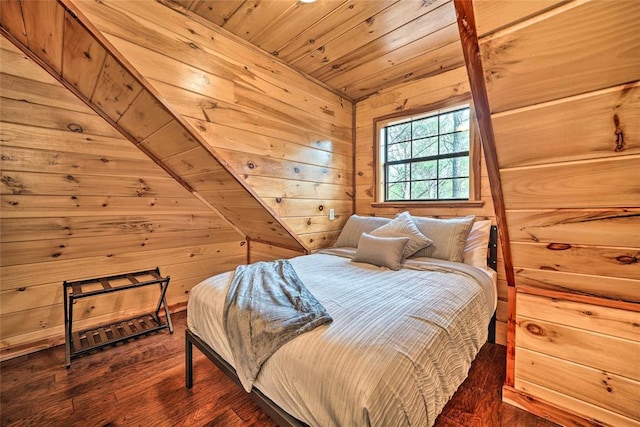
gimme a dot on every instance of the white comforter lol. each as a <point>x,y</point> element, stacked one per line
<point>400,344</point>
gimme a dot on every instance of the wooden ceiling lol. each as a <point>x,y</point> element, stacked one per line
<point>356,47</point>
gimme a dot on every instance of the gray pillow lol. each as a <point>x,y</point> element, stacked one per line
<point>381,251</point>
<point>355,226</point>
<point>448,235</point>
<point>403,226</point>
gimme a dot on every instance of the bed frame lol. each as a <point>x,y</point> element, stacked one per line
<point>277,414</point>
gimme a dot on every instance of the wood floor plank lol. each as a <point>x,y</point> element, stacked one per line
<point>141,382</point>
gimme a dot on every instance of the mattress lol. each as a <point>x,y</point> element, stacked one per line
<point>400,344</point>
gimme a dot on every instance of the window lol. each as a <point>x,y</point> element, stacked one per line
<point>426,156</point>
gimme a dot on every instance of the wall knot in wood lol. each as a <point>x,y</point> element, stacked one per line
<point>619,134</point>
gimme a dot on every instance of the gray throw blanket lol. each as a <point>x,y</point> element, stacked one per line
<point>267,305</point>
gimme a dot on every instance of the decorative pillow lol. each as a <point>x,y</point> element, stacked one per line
<point>475,250</point>
<point>403,226</point>
<point>381,251</point>
<point>449,236</point>
<point>355,226</point>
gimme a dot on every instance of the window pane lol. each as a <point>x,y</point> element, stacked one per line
<point>425,147</point>
<point>454,167</point>
<point>461,120</point>
<point>398,133</point>
<point>424,170</point>
<point>446,123</point>
<point>421,151</point>
<point>398,173</point>
<point>425,127</point>
<point>400,151</point>
<point>424,190</point>
<point>453,188</point>
<point>398,191</point>
<point>454,142</point>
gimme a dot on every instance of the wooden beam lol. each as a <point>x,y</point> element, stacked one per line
<point>471,49</point>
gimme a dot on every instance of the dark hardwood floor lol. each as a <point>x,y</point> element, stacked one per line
<point>141,383</point>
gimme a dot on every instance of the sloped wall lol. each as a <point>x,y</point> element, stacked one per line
<point>563,81</point>
<point>423,92</point>
<point>287,136</point>
<point>80,201</point>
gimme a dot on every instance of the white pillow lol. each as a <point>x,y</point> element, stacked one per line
<point>381,251</point>
<point>449,236</point>
<point>475,250</point>
<point>403,226</point>
<point>355,226</point>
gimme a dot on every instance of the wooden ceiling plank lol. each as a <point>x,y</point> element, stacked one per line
<point>83,58</point>
<point>423,26</point>
<point>331,26</point>
<point>218,11</point>
<point>11,19</point>
<point>255,15</point>
<point>373,28</point>
<point>352,72</point>
<point>215,68</point>
<point>44,21</point>
<point>292,23</point>
<point>438,61</point>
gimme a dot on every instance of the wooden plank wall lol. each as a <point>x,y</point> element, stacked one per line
<point>288,137</point>
<point>563,80</point>
<point>410,96</point>
<point>78,201</point>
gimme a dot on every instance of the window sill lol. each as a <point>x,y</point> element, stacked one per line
<point>434,204</point>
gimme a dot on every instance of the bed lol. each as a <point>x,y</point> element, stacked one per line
<point>400,343</point>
